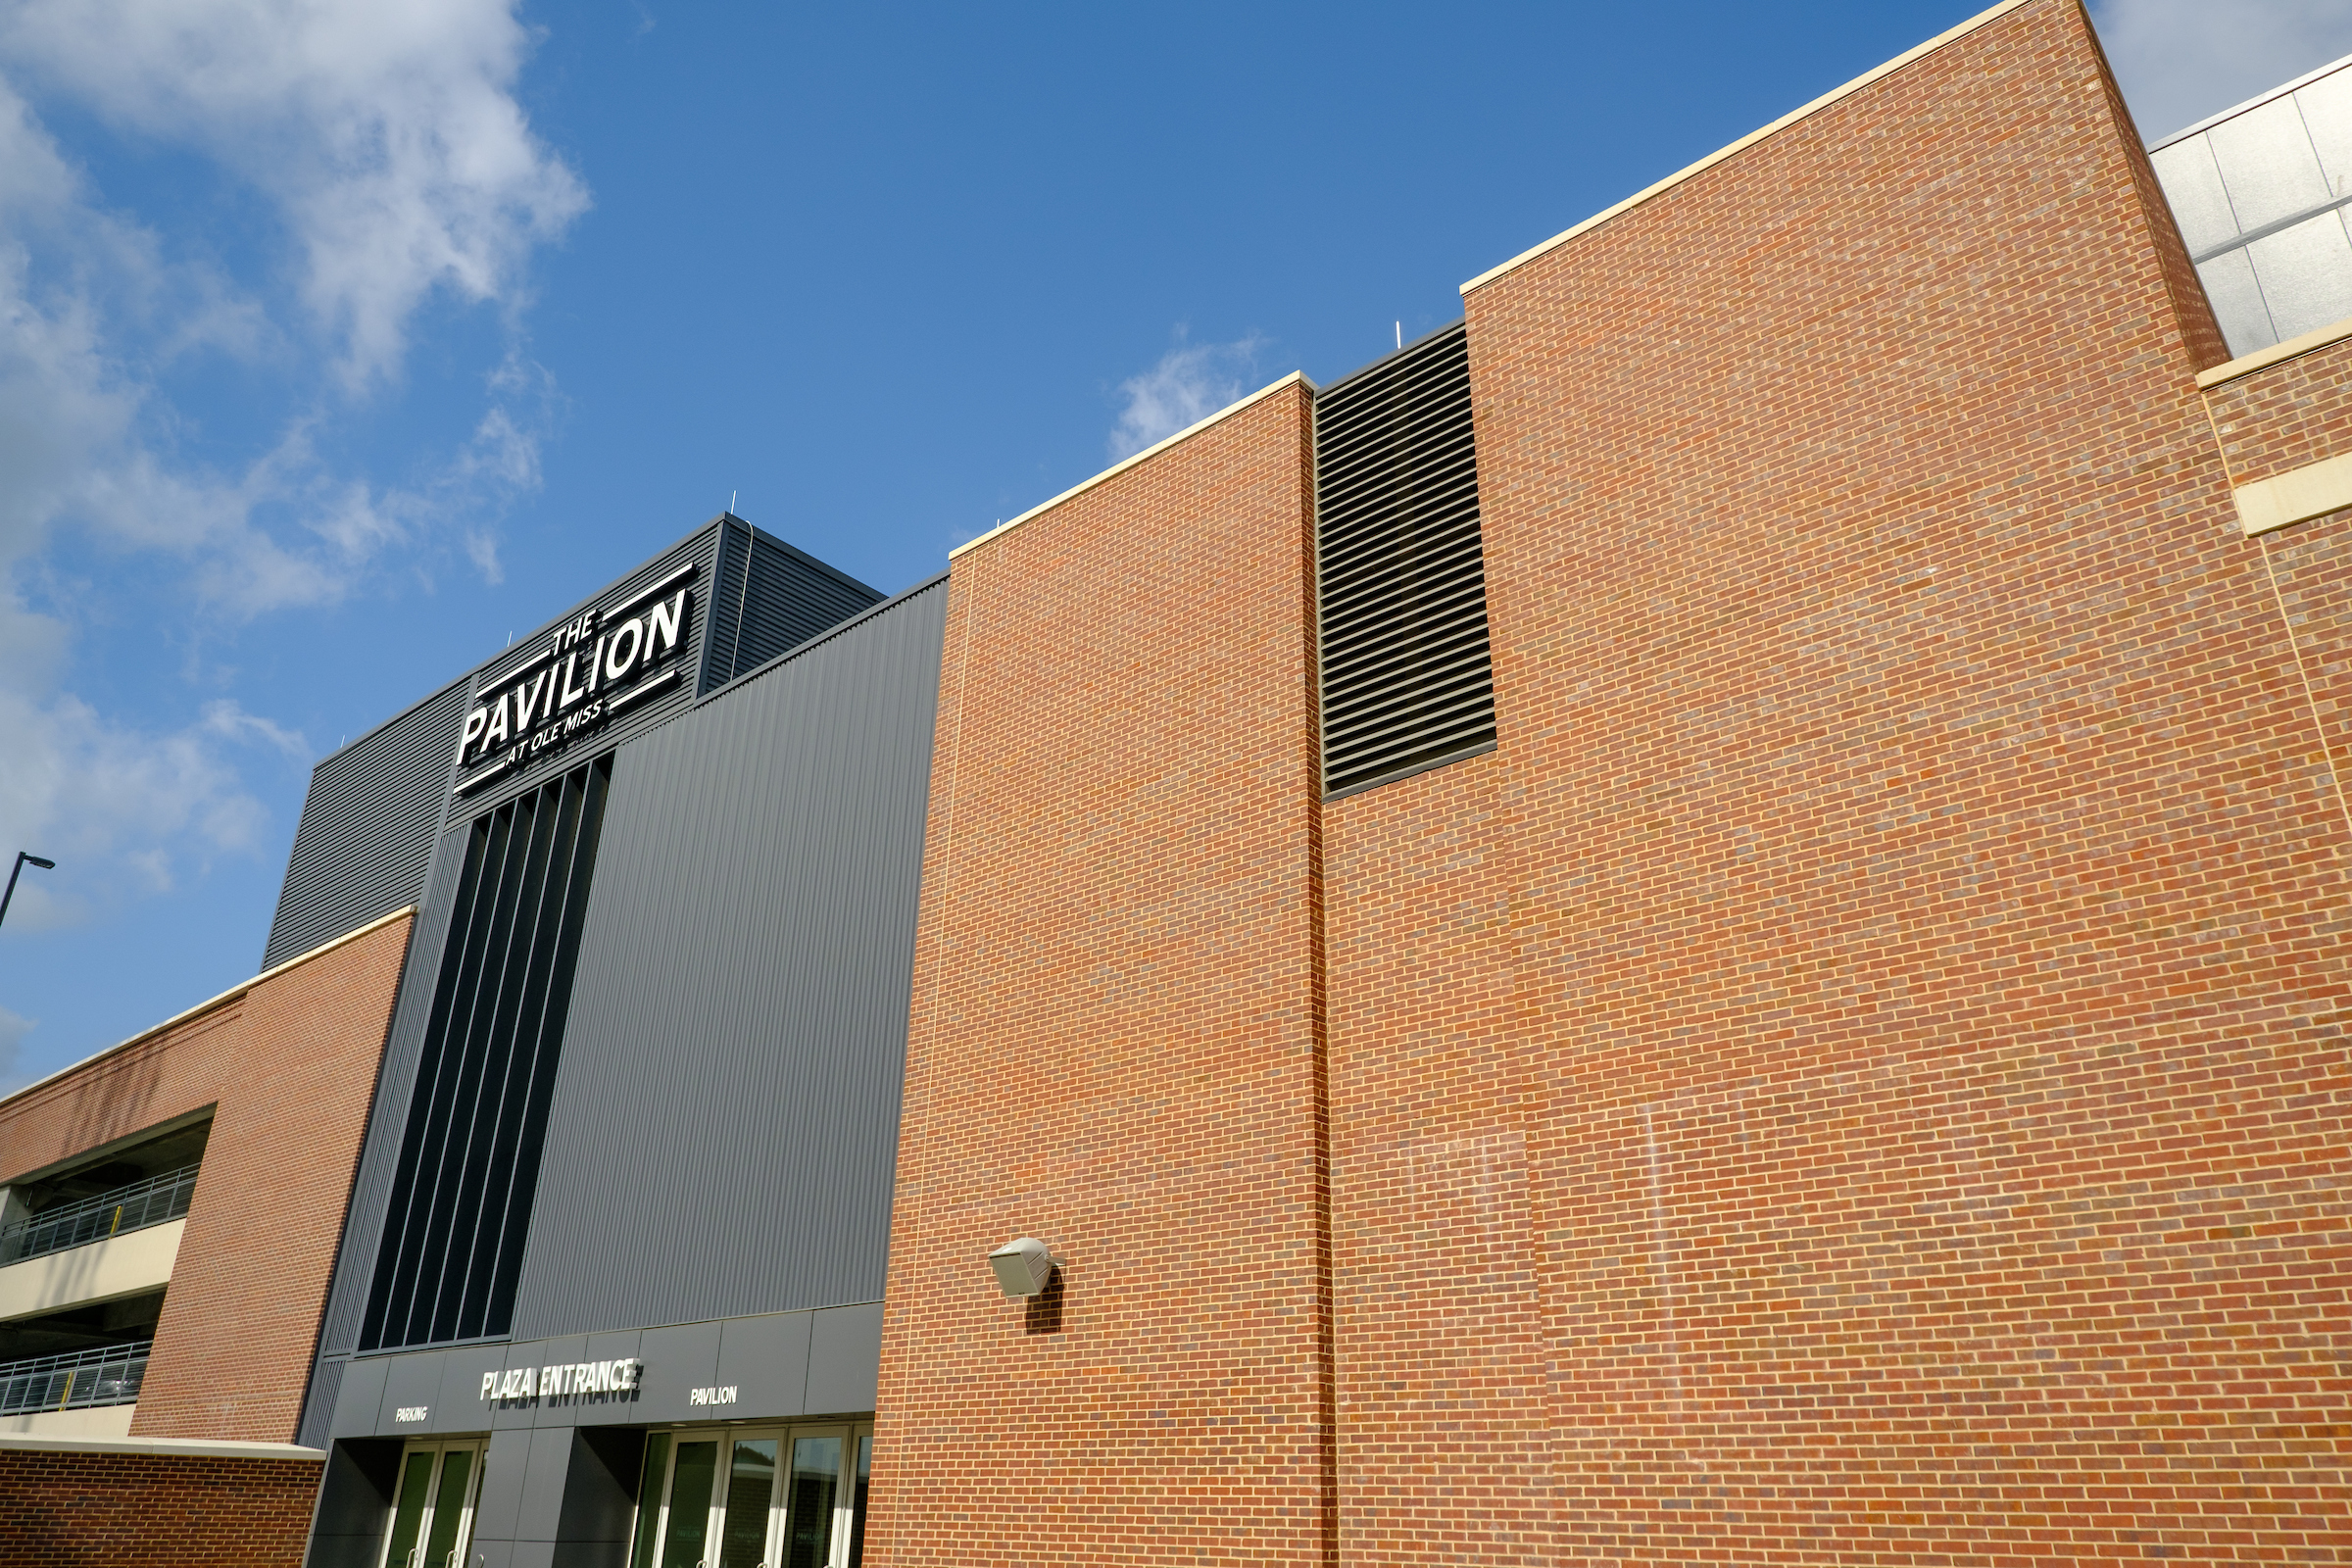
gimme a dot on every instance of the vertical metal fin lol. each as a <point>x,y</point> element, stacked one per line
<point>469,1157</point>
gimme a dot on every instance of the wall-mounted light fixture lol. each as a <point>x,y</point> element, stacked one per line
<point>1023,1268</point>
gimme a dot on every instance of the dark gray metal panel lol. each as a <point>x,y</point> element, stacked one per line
<point>376,805</point>
<point>379,1153</point>
<point>601,1410</point>
<point>789,598</point>
<point>599,1493</point>
<point>357,1400</point>
<point>725,1128</point>
<point>845,1359</point>
<point>535,1354</point>
<point>367,826</point>
<point>461,1406</point>
<point>543,1491</point>
<point>679,1359</point>
<point>766,1360</point>
<point>318,1403</point>
<point>354,1504</point>
<point>411,1381</point>
<point>506,1487</point>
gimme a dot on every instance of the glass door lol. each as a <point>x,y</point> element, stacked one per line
<point>432,1507</point>
<point>745,1497</point>
<point>813,1499</point>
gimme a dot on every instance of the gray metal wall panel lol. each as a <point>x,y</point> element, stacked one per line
<point>790,597</point>
<point>375,805</point>
<point>379,1153</point>
<point>725,1128</point>
<point>366,832</point>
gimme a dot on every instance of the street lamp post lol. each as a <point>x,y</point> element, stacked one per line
<point>15,870</point>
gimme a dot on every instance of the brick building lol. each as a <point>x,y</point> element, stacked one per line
<point>1700,919</point>
<point>167,1236</point>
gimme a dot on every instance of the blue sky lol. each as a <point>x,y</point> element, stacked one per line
<point>340,341</point>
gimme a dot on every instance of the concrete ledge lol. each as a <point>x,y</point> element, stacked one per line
<point>2276,353</point>
<point>100,1421</point>
<point>103,1270</point>
<point>164,1448</point>
<point>2295,496</point>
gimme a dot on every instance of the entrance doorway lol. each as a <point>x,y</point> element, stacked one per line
<point>754,1497</point>
<point>433,1511</point>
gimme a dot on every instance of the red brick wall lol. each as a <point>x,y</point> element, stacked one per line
<point>291,1068</point>
<point>1113,1043</point>
<point>1859,1073</point>
<point>2285,416</point>
<point>120,1510</point>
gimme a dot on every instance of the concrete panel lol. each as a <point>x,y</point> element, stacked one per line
<point>2192,186</point>
<point>2306,274</point>
<point>411,1383</point>
<point>845,1359</point>
<point>120,1265</point>
<point>2327,106</point>
<point>677,1361</point>
<point>101,1421</point>
<point>359,1402</point>
<point>2238,308</point>
<point>2268,162</point>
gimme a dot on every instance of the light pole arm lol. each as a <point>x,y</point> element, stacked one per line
<point>15,872</point>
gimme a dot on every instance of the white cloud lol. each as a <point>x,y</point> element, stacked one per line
<point>2182,61</point>
<point>128,809</point>
<point>1191,382</point>
<point>388,133</point>
<point>388,141</point>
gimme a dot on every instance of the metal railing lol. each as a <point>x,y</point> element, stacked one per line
<point>109,1375</point>
<point>157,1201</point>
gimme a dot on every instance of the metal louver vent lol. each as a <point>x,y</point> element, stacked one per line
<point>1401,580</point>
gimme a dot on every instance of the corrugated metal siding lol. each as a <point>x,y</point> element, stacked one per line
<point>319,1403</point>
<point>374,807</point>
<point>395,1084</point>
<point>1407,679</point>
<point>367,826</point>
<point>792,596</point>
<point>725,1121</point>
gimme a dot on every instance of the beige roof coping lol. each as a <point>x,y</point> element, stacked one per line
<point>210,1002</point>
<point>1748,140</point>
<point>1121,466</point>
<point>187,1448</point>
<point>2276,353</point>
